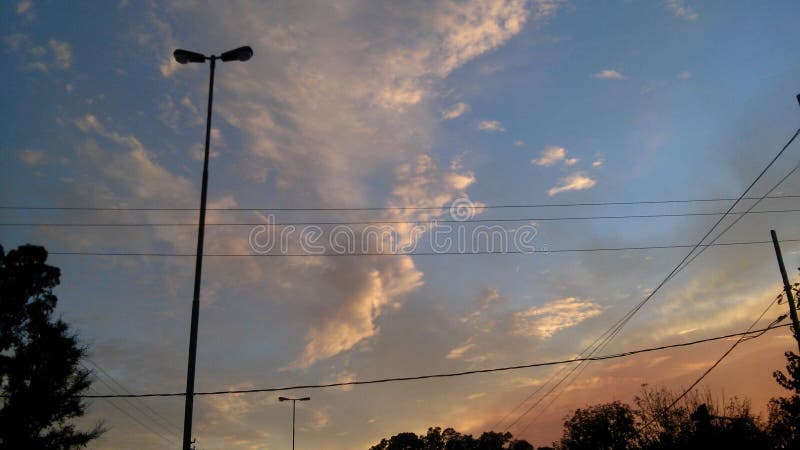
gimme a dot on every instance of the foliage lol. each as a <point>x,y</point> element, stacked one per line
<point>696,421</point>
<point>40,373</point>
<point>450,439</point>
<point>607,426</point>
<point>784,412</point>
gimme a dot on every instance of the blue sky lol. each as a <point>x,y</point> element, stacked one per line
<point>417,105</point>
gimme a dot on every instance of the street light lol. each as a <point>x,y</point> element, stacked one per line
<point>185,57</point>
<point>294,403</point>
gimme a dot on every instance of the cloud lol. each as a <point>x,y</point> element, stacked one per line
<point>597,163</point>
<point>682,10</point>
<point>134,168</point>
<point>550,156</point>
<point>31,157</point>
<point>35,56</point>
<point>571,161</point>
<point>553,316</point>
<point>454,111</point>
<point>490,125</point>
<point>573,182</point>
<point>684,75</point>
<point>458,352</point>
<point>25,9</point>
<point>320,128</point>
<point>608,74</point>
<point>62,52</point>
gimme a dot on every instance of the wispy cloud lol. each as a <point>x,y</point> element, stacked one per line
<point>609,74</point>
<point>550,156</point>
<point>684,75</point>
<point>574,182</point>
<point>682,10</point>
<point>544,321</point>
<point>454,111</point>
<point>490,125</point>
<point>31,157</point>
<point>25,9</point>
<point>62,52</point>
<point>458,352</point>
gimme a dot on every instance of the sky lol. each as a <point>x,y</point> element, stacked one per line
<point>424,112</point>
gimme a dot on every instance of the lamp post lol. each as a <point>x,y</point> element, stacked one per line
<point>185,57</point>
<point>294,403</point>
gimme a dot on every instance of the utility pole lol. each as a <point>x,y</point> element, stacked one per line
<point>787,287</point>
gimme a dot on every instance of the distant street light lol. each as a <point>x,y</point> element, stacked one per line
<point>184,57</point>
<point>294,402</point>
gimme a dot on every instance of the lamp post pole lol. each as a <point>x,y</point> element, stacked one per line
<point>294,409</point>
<point>184,57</point>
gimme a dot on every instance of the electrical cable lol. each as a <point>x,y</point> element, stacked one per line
<point>385,208</point>
<point>443,375</point>
<point>427,253</point>
<point>380,222</point>
<point>615,329</point>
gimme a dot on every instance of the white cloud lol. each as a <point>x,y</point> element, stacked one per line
<point>62,52</point>
<point>35,56</point>
<point>609,74</point>
<point>319,127</point>
<point>458,352</point>
<point>546,320</point>
<point>454,111</point>
<point>573,182</point>
<point>682,10</point>
<point>134,168</point>
<point>597,163</point>
<point>571,161</point>
<point>168,67</point>
<point>550,156</point>
<point>684,75</point>
<point>490,125</point>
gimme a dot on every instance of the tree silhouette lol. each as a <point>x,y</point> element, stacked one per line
<point>784,412</point>
<point>607,426</point>
<point>450,439</point>
<point>40,373</point>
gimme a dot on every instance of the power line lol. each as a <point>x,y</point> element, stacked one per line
<point>735,221</point>
<point>581,368</point>
<point>427,253</point>
<point>612,332</point>
<point>716,363</point>
<point>384,222</point>
<point>132,417</point>
<point>152,412</point>
<point>385,208</point>
<point>449,374</point>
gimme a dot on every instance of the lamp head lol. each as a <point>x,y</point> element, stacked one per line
<point>185,56</point>
<point>237,54</point>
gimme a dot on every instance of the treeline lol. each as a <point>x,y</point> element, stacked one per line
<point>658,419</point>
